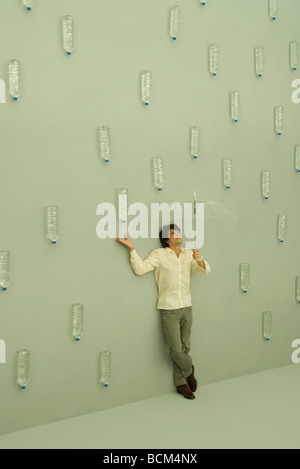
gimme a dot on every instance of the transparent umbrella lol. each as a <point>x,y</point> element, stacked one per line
<point>213,210</point>
<point>192,213</point>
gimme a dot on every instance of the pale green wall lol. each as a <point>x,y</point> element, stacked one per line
<point>49,156</point>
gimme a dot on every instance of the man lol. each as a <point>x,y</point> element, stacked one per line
<point>171,265</point>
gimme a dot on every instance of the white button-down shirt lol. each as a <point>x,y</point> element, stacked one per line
<point>172,274</point>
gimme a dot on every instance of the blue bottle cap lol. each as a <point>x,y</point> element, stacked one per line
<point>106,161</point>
<point>174,38</point>
<point>214,74</point>
<point>294,68</point>
<point>267,339</point>
<point>28,8</point>
<point>146,104</point>
<point>274,18</point>
<point>53,242</point>
<point>260,75</point>
<point>4,289</point>
<point>245,291</point>
<point>69,53</point>
<point>22,387</point>
<point>16,99</point>
<point>266,198</point>
<point>77,339</point>
<point>160,189</point>
<point>235,120</point>
<point>281,240</point>
<point>195,156</point>
<point>298,170</point>
<point>279,133</point>
<point>106,385</point>
<point>227,187</point>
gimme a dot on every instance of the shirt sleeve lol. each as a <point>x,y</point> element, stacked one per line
<point>197,268</point>
<point>141,267</point>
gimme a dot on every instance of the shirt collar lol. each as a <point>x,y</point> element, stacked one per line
<point>169,250</point>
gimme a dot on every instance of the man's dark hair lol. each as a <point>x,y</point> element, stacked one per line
<point>165,232</point>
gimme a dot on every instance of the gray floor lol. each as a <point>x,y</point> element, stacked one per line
<point>261,410</point>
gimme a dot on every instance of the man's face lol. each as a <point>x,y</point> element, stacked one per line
<point>175,236</point>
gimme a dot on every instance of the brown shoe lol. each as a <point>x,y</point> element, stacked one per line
<point>185,391</point>
<point>192,381</point>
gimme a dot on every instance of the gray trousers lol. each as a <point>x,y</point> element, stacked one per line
<point>177,325</point>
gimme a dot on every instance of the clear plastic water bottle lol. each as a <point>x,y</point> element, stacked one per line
<point>273,9</point>
<point>297,158</point>
<point>294,53</point>
<point>68,33</point>
<point>77,320</point>
<point>281,227</point>
<point>105,367</point>
<point>52,223</point>
<point>244,276</point>
<point>122,201</point>
<point>175,18</point>
<point>298,288</point>
<point>29,4</point>
<point>122,204</point>
<point>23,368</point>
<point>235,105</point>
<point>278,120</point>
<point>158,173</point>
<point>4,269</point>
<point>104,142</point>
<point>195,141</point>
<point>227,172</point>
<point>259,60</point>
<point>213,58</point>
<point>14,78</point>
<point>267,324</point>
<point>146,85</point>
<point>265,183</point>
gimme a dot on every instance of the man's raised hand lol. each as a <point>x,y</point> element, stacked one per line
<point>127,242</point>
